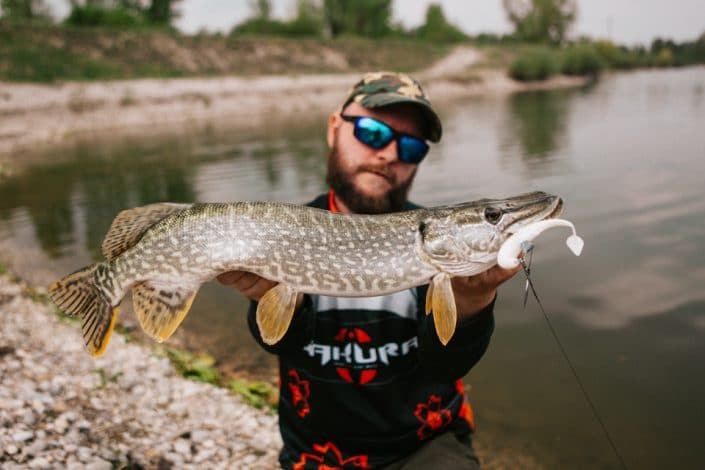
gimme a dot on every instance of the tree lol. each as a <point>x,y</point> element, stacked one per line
<point>24,10</point>
<point>308,20</point>
<point>363,17</point>
<point>437,28</point>
<point>261,9</point>
<point>546,21</point>
<point>162,12</point>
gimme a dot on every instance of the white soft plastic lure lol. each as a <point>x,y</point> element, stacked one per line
<point>508,254</point>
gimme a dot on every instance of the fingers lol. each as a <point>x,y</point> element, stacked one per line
<point>487,280</point>
<point>250,285</point>
<point>498,275</point>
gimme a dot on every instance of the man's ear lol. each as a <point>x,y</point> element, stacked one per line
<point>334,122</point>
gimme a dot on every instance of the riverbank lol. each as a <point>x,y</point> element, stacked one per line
<point>60,408</point>
<point>33,115</point>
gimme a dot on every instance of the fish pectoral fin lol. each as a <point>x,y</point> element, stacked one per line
<point>429,299</point>
<point>445,314</point>
<point>275,311</point>
<point>161,309</point>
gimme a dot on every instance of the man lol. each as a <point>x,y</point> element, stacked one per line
<point>365,382</point>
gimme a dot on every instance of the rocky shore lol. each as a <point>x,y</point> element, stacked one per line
<point>60,408</point>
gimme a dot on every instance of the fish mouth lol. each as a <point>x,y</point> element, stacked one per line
<point>536,207</point>
<point>558,210</point>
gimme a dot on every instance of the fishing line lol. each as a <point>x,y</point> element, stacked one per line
<point>528,248</point>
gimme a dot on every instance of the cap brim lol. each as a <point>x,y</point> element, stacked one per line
<point>434,130</point>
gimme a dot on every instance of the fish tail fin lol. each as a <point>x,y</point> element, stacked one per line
<point>160,308</point>
<point>78,294</point>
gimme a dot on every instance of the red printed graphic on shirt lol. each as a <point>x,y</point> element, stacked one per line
<point>328,457</point>
<point>466,412</point>
<point>355,337</point>
<point>300,392</point>
<point>432,416</point>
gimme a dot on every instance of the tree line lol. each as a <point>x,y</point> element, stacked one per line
<point>121,13</point>
<point>541,22</point>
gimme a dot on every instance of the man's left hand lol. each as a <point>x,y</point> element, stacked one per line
<point>474,293</point>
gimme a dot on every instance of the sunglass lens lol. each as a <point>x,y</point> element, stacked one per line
<point>373,133</point>
<point>411,149</point>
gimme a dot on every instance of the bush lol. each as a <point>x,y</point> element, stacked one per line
<point>534,64</point>
<point>664,58</point>
<point>581,60</point>
<point>91,15</point>
<point>299,27</point>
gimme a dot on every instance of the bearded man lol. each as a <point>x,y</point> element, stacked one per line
<point>365,382</point>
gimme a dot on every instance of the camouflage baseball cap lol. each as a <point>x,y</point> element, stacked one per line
<point>379,89</point>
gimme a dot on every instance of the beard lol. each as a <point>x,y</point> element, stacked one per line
<point>341,181</point>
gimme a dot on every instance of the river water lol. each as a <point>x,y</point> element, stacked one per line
<point>627,155</point>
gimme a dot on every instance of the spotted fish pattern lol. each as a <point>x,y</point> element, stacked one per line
<point>164,252</point>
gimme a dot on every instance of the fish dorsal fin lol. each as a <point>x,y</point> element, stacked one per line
<point>161,309</point>
<point>129,226</point>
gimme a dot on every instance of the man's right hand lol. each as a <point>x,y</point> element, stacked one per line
<point>250,285</point>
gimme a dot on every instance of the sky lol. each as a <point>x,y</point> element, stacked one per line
<point>629,22</point>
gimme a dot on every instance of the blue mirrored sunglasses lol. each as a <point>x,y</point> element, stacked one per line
<point>378,135</point>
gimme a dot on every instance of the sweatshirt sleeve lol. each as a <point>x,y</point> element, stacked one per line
<point>462,352</point>
<point>299,334</point>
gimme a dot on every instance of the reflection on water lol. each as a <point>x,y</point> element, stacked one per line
<point>55,193</point>
<point>536,123</point>
<point>627,157</point>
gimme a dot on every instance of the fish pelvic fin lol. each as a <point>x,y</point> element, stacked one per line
<point>130,225</point>
<point>78,294</point>
<point>445,315</point>
<point>161,309</point>
<point>429,299</point>
<point>275,311</point>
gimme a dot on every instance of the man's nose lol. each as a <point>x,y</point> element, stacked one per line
<point>388,153</point>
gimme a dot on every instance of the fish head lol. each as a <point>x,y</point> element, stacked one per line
<point>464,239</point>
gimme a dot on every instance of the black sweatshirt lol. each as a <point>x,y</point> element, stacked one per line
<point>365,381</point>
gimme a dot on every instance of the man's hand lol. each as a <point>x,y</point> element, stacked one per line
<point>474,293</point>
<point>251,285</point>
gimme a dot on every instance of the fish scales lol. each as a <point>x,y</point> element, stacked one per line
<point>317,251</point>
<point>164,252</point>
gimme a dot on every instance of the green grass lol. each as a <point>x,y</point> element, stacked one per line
<point>198,367</point>
<point>201,368</point>
<point>105,378</point>
<point>46,53</point>
<point>27,62</point>
<point>257,394</point>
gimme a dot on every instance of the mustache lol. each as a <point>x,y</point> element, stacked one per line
<point>382,170</point>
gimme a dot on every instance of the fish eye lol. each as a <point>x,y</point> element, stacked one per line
<point>493,214</point>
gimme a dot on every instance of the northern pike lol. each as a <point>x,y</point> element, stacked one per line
<point>164,252</point>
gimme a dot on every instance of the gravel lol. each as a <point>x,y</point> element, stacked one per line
<point>61,408</point>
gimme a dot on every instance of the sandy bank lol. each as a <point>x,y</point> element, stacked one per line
<point>32,115</point>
